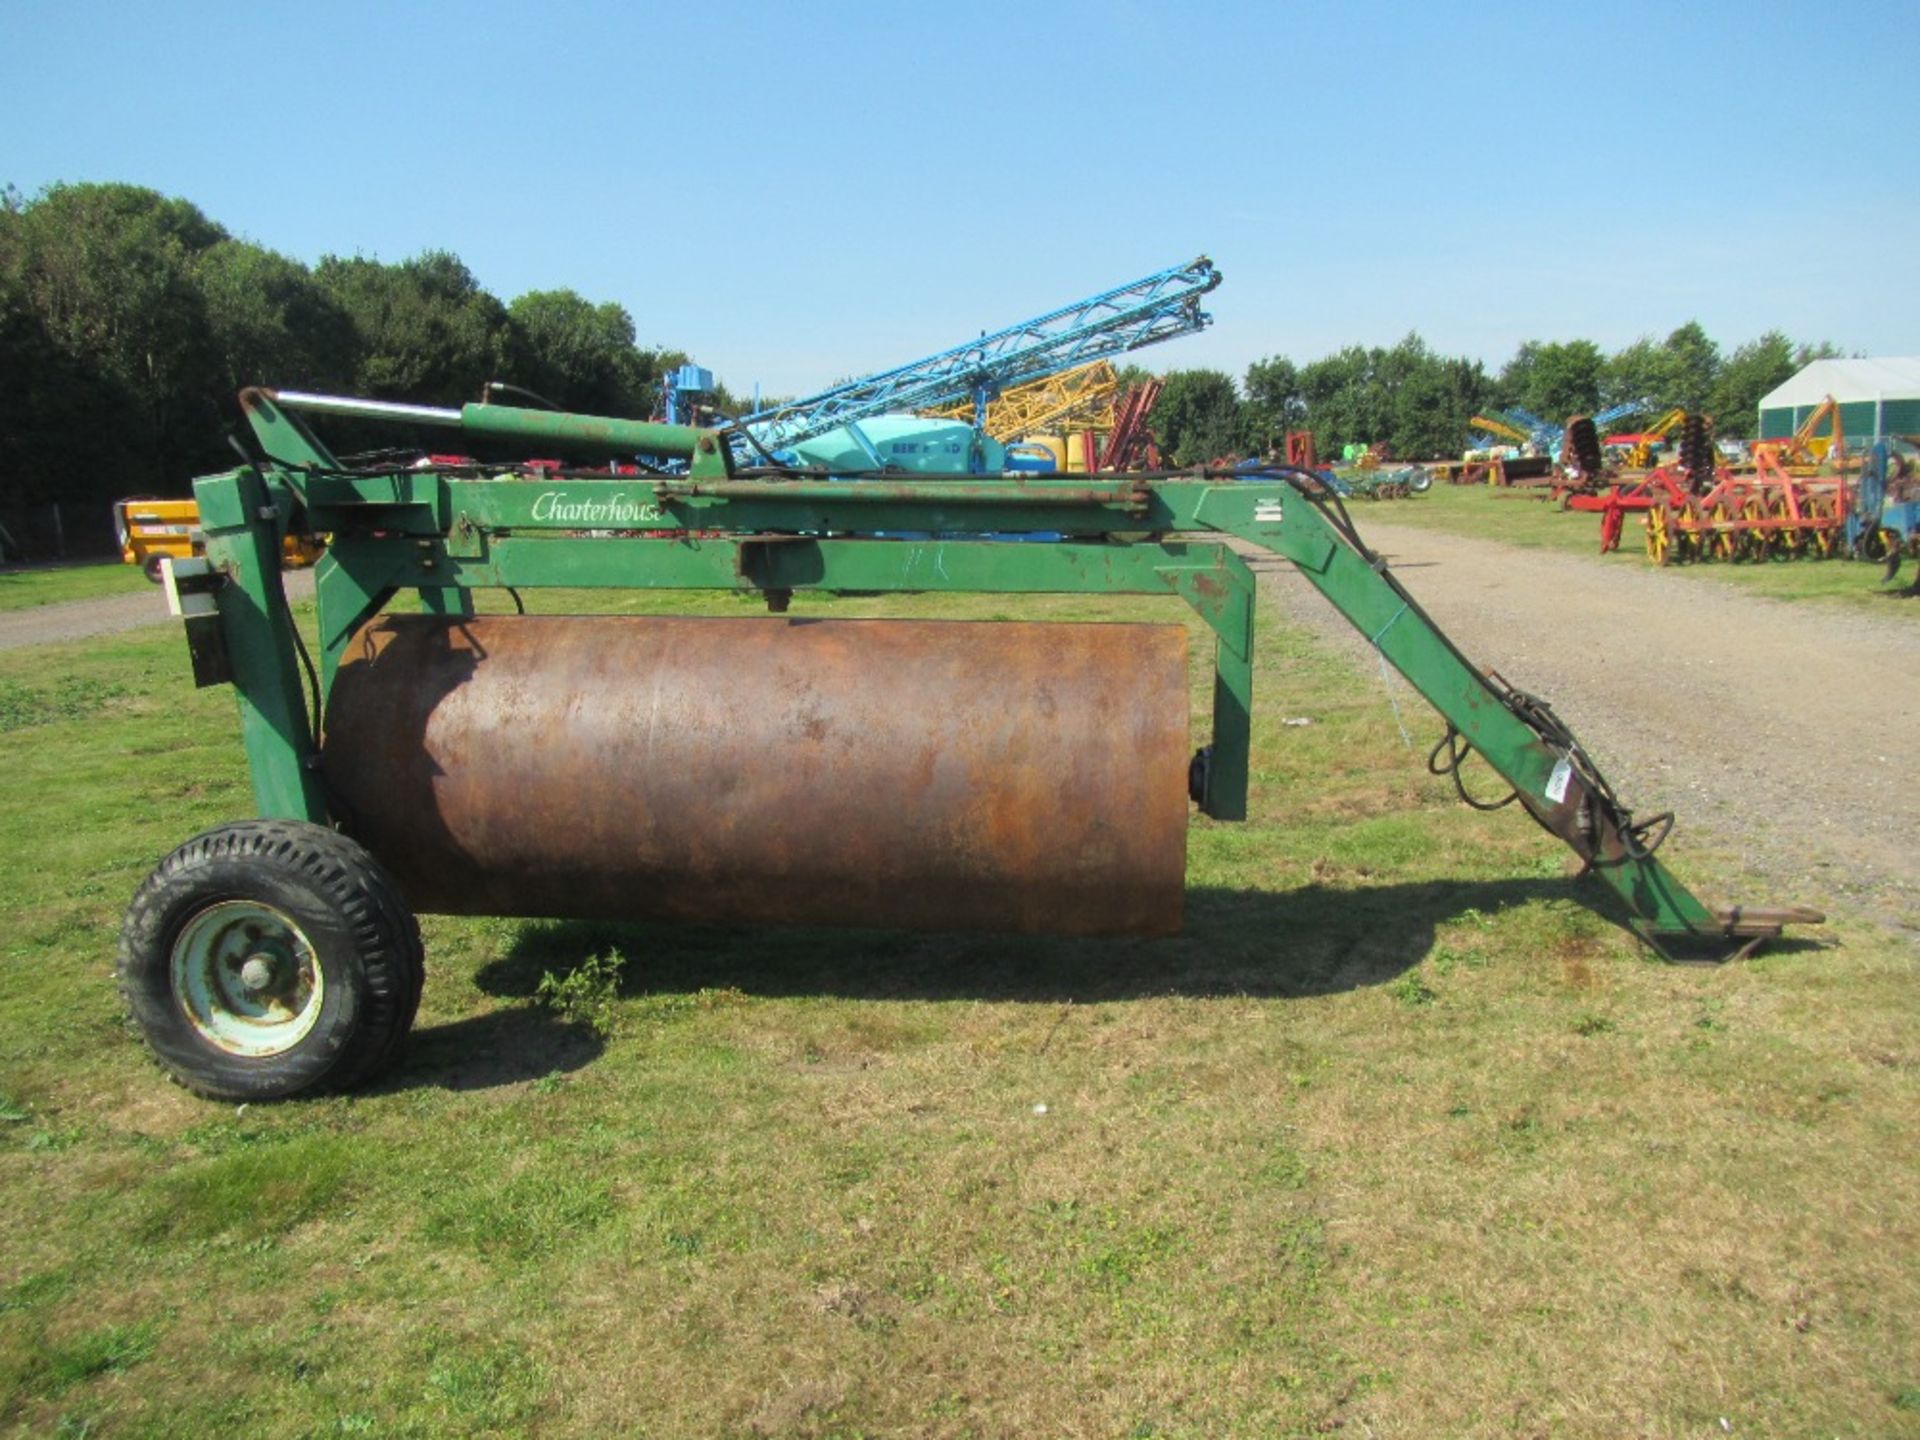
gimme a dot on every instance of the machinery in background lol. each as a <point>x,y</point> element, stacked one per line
<point>1114,438</point>
<point>838,429</point>
<point>1567,458</point>
<point>1379,483</point>
<point>1777,512</point>
<point>1884,523</point>
<point>1582,463</point>
<point>1695,508</point>
<point>1766,515</point>
<point>1514,447</point>
<point>1580,456</point>
<point>1518,427</point>
<point>1050,403</point>
<point>1620,411</point>
<point>1130,443</point>
<point>1498,432</point>
<point>1363,473</point>
<point>150,531</point>
<point>681,392</point>
<point>1806,451</point>
<point>1636,450</point>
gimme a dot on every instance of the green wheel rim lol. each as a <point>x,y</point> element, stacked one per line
<point>247,979</point>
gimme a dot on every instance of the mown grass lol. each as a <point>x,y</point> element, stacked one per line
<point>1514,516</point>
<point>1400,1137</point>
<point>22,589</point>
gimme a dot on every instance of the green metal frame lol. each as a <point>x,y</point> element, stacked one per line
<point>443,533</point>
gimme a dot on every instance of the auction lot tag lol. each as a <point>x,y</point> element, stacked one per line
<point>1558,781</point>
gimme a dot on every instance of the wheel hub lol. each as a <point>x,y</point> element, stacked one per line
<point>246,978</point>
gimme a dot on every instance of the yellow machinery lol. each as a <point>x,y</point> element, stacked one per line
<point>1640,455</point>
<point>150,530</point>
<point>1803,452</point>
<point>1051,403</point>
<point>1501,428</point>
<point>1076,449</point>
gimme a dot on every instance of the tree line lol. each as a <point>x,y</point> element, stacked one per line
<point>129,320</point>
<point>1420,404</point>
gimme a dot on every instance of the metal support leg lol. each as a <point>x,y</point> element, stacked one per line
<point>243,543</point>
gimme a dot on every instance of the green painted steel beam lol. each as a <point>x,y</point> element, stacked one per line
<point>351,584</point>
<point>244,526</point>
<point>807,562</point>
<point>704,450</point>
<point>288,441</point>
<point>283,437</point>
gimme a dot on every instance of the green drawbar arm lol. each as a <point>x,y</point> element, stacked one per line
<point>1517,734</point>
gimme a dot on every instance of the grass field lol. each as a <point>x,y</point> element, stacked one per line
<point>20,589</point>
<point>1400,1138</point>
<point>1511,515</point>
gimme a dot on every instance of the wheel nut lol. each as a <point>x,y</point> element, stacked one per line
<point>258,973</point>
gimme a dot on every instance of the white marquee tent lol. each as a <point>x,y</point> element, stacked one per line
<point>1877,396</point>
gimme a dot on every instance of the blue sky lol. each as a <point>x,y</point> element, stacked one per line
<point>795,193</point>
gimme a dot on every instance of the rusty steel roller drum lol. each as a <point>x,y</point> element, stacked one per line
<point>778,770</point>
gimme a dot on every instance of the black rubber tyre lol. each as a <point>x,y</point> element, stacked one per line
<point>150,567</point>
<point>338,948</point>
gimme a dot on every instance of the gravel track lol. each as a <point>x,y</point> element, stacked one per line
<point>78,619</point>
<point>1775,730</point>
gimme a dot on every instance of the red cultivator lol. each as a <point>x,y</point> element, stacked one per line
<point>1768,514</point>
<point>1660,487</point>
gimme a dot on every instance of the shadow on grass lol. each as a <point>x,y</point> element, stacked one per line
<point>503,1047</point>
<point>1310,941</point>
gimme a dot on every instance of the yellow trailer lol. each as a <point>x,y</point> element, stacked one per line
<point>149,530</point>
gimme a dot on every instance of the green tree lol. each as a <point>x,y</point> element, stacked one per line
<point>1692,365</point>
<point>1345,403</point>
<point>1554,379</point>
<point>106,275</point>
<point>1678,371</point>
<point>1415,402</point>
<point>1635,372</point>
<point>1434,398</point>
<point>1197,418</point>
<point>424,329</point>
<point>55,416</point>
<point>580,355</point>
<point>271,323</point>
<point>1274,403</point>
<point>128,319</point>
<point>1749,373</point>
